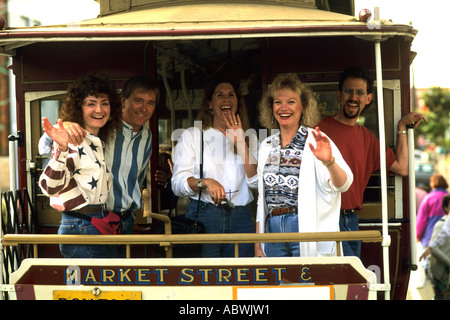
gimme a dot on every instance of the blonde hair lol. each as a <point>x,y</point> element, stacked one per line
<point>310,115</point>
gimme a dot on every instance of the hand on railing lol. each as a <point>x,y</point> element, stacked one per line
<point>147,212</point>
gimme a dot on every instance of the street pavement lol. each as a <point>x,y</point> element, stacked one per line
<point>417,289</point>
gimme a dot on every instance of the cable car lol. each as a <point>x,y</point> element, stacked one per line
<point>184,44</point>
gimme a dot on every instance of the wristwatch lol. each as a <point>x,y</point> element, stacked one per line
<point>199,183</point>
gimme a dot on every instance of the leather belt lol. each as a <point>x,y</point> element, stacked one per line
<point>348,211</point>
<point>93,208</point>
<point>280,211</point>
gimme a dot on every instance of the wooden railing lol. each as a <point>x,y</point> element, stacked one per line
<point>168,240</point>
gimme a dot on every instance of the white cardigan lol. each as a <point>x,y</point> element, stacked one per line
<point>319,201</point>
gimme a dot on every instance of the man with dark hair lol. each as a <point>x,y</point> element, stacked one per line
<point>356,72</point>
<point>127,157</point>
<point>360,148</point>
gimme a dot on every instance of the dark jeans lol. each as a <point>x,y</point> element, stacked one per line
<point>71,225</point>
<point>218,220</point>
<point>350,222</point>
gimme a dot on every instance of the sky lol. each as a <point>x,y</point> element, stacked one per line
<point>430,67</point>
<point>55,11</point>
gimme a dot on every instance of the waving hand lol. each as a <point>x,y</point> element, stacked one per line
<point>57,134</point>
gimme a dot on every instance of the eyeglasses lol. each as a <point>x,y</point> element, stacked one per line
<point>349,92</point>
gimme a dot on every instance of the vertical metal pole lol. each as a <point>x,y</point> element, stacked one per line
<point>35,251</point>
<point>12,163</point>
<point>128,251</point>
<point>169,97</point>
<point>185,95</point>
<point>384,213</point>
<point>1,247</point>
<point>412,199</point>
<point>12,183</point>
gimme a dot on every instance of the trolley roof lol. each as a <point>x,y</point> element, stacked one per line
<point>204,21</point>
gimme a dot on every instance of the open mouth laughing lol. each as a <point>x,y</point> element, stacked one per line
<point>285,116</point>
<point>352,106</point>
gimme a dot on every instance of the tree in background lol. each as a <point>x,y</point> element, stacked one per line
<point>437,112</point>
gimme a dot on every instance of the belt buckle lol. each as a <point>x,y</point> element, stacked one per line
<point>272,210</point>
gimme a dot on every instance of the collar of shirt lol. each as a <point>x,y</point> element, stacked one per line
<point>128,130</point>
<point>298,142</point>
<point>94,139</point>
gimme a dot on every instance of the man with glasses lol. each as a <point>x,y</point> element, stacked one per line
<point>360,148</point>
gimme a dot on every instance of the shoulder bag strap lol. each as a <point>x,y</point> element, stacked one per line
<point>201,174</point>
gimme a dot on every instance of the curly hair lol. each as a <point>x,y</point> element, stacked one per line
<point>92,84</point>
<point>204,114</point>
<point>356,72</point>
<point>360,73</point>
<point>310,115</point>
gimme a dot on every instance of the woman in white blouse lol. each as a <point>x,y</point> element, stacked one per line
<point>229,167</point>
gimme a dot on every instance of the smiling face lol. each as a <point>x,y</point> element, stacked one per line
<point>353,98</point>
<point>138,108</point>
<point>96,112</point>
<point>287,108</point>
<point>223,102</point>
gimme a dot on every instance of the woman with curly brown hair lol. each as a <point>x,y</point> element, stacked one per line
<point>76,178</point>
<point>94,85</point>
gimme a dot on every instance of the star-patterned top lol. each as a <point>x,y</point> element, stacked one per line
<point>77,177</point>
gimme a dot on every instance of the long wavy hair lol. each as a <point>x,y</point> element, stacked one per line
<point>205,114</point>
<point>310,115</point>
<point>92,84</point>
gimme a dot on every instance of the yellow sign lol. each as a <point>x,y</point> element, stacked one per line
<point>93,295</point>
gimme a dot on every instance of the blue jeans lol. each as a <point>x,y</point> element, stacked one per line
<point>350,222</point>
<point>126,224</point>
<point>217,220</point>
<point>126,227</point>
<point>282,224</point>
<point>71,225</point>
